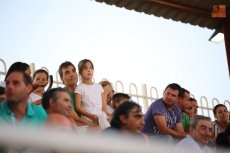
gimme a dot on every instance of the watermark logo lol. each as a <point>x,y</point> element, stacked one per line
<point>219,11</point>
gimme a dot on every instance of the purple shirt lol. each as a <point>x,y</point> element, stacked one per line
<point>158,107</point>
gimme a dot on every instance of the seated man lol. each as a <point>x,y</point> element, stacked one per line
<point>119,98</point>
<point>2,94</point>
<point>16,111</point>
<point>186,108</point>
<point>127,121</point>
<point>57,124</point>
<point>109,92</point>
<point>163,118</point>
<point>57,100</point>
<point>200,135</point>
<point>69,77</point>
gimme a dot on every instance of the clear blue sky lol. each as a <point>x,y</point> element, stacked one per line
<point>123,45</point>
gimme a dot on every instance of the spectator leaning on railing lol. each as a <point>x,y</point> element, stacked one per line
<point>163,119</point>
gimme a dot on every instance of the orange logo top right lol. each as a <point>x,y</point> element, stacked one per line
<point>219,11</point>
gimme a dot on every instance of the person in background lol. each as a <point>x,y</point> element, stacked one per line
<point>186,108</point>
<point>40,81</point>
<point>119,98</point>
<point>108,89</point>
<point>221,114</point>
<point>195,107</point>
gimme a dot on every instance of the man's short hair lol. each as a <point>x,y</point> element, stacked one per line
<point>174,86</point>
<point>26,78</point>
<point>192,99</point>
<point>2,90</point>
<point>64,65</point>
<point>195,119</point>
<point>17,66</point>
<point>119,96</point>
<point>183,91</point>
<point>51,94</point>
<point>123,109</point>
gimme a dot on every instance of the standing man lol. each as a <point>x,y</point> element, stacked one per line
<point>16,111</point>
<point>163,118</point>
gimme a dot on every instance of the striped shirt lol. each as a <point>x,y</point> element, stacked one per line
<point>216,128</point>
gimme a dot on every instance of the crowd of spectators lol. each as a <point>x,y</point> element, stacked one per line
<point>89,108</point>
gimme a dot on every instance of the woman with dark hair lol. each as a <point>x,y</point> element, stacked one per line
<point>221,114</point>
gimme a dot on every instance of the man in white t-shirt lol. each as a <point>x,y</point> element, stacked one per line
<point>197,140</point>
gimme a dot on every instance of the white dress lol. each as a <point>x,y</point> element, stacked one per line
<point>91,99</point>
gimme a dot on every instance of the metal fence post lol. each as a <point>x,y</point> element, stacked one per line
<point>145,99</point>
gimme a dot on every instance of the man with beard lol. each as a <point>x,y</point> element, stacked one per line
<point>16,111</point>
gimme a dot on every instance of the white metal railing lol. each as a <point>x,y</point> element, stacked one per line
<point>143,99</point>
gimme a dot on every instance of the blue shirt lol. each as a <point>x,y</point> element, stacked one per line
<point>158,107</point>
<point>35,116</point>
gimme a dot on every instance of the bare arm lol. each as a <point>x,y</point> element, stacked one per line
<point>104,102</point>
<point>179,128</point>
<point>78,120</point>
<point>81,110</point>
<point>162,125</point>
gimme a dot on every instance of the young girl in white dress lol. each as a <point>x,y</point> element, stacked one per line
<point>89,96</point>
